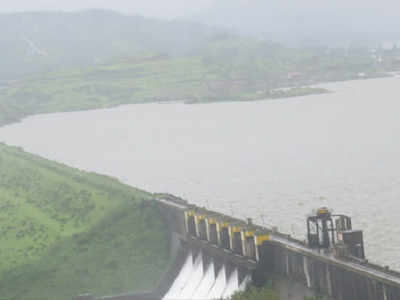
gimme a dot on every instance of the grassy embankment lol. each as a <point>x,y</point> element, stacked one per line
<point>155,79</point>
<point>65,232</point>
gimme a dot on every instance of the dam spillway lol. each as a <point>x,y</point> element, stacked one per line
<point>329,269</point>
<point>215,255</point>
<point>201,278</point>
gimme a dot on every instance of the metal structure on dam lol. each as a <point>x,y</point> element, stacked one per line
<point>214,255</point>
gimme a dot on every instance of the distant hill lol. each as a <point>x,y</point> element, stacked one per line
<point>37,42</point>
<point>226,68</point>
<point>100,59</point>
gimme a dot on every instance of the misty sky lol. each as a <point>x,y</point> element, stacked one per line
<point>154,8</point>
<point>177,8</point>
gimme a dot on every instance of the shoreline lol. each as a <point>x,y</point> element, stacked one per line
<point>301,90</point>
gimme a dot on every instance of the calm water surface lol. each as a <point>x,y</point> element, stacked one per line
<point>278,158</point>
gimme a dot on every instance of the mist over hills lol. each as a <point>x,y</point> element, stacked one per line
<point>308,22</point>
<point>84,60</point>
<point>39,42</point>
<point>47,41</point>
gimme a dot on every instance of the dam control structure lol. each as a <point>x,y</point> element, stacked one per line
<point>214,255</point>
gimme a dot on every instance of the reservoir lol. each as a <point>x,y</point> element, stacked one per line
<point>273,161</point>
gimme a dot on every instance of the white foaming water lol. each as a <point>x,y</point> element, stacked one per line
<point>206,283</point>
<point>194,279</point>
<point>244,284</point>
<point>181,280</point>
<point>219,285</point>
<point>232,285</point>
<point>193,282</point>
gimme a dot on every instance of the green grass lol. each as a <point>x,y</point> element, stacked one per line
<point>141,80</point>
<point>65,232</point>
<point>253,293</point>
<point>228,68</point>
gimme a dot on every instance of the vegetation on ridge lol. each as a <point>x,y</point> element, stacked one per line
<point>136,60</point>
<point>48,41</point>
<point>265,293</point>
<point>143,79</point>
<point>65,232</point>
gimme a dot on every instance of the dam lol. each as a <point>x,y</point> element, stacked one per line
<point>203,278</point>
<point>215,255</point>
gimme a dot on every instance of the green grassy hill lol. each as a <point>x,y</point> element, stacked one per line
<point>100,59</point>
<point>144,79</point>
<point>65,232</point>
<point>227,68</point>
<point>37,42</point>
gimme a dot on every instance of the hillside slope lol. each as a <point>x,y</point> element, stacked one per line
<point>65,232</point>
<point>230,68</point>
<point>37,42</point>
<point>99,59</point>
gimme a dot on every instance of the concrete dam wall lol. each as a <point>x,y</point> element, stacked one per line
<point>215,255</point>
<point>207,272</point>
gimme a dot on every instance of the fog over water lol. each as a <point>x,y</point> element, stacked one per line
<point>277,158</point>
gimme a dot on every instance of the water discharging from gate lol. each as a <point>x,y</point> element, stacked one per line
<point>200,278</point>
